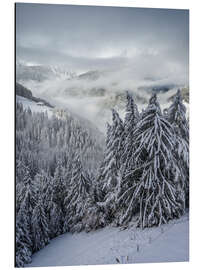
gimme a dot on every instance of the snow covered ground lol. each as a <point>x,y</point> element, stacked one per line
<point>168,243</point>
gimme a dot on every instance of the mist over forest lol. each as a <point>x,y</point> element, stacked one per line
<point>87,63</point>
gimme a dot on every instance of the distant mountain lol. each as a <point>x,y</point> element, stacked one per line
<point>41,72</point>
<point>90,75</point>
<point>26,93</point>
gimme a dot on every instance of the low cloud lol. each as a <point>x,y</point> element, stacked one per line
<point>131,48</point>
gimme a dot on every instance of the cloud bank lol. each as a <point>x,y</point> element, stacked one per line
<point>130,47</point>
<point>83,38</point>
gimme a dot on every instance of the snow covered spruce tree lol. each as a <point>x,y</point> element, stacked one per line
<point>176,115</point>
<point>114,152</point>
<point>44,186</point>
<point>26,199</point>
<point>23,251</point>
<point>100,190</point>
<point>153,191</point>
<point>118,137</point>
<point>59,193</point>
<point>75,202</point>
<point>40,228</point>
<point>24,243</point>
<point>52,210</point>
<point>130,121</point>
<point>26,188</point>
<point>28,194</point>
<point>112,164</point>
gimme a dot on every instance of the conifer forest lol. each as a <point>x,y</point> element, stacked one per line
<point>70,178</point>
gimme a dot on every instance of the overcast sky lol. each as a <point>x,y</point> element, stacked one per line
<point>85,37</point>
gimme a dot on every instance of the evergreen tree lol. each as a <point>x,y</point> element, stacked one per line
<point>111,170</point>
<point>176,115</point>
<point>40,227</point>
<point>25,187</point>
<point>59,189</point>
<point>54,220</point>
<point>117,138</point>
<point>131,119</point>
<point>52,210</point>
<point>102,179</point>
<point>75,201</point>
<point>23,251</point>
<point>114,150</point>
<point>154,192</point>
<point>23,236</point>
<point>24,230</point>
<point>29,191</point>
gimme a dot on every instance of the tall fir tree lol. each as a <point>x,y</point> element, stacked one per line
<point>112,165</point>
<point>101,180</point>
<point>118,137</point>
<point>40,227</point>
<point>26,201</point>
<point>75,201</point>
<point>23,250</point>
<point>176,115</point>
<point>59,193</point>
<point>25,186</point>
<point>24,241</point>
<point>130,122</point>
<point>154,193</point>
<point>114,151</point>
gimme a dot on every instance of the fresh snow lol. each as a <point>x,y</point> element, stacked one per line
<point>27,103</point>
<point>167,243</point>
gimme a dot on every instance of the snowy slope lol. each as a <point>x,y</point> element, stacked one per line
<point>85,123</point>
<point>167,243</point>
<point>27,103</point>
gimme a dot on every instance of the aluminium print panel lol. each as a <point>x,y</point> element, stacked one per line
<point>102,135</point>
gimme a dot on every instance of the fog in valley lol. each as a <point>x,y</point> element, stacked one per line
<point>84,58</point>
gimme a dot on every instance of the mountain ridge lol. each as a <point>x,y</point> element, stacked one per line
<point>26,93</point>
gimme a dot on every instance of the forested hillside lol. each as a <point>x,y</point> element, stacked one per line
<point>67,182</point>
<point>26,93</point>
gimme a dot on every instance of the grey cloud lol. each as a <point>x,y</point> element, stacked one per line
<point>84,38</point>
